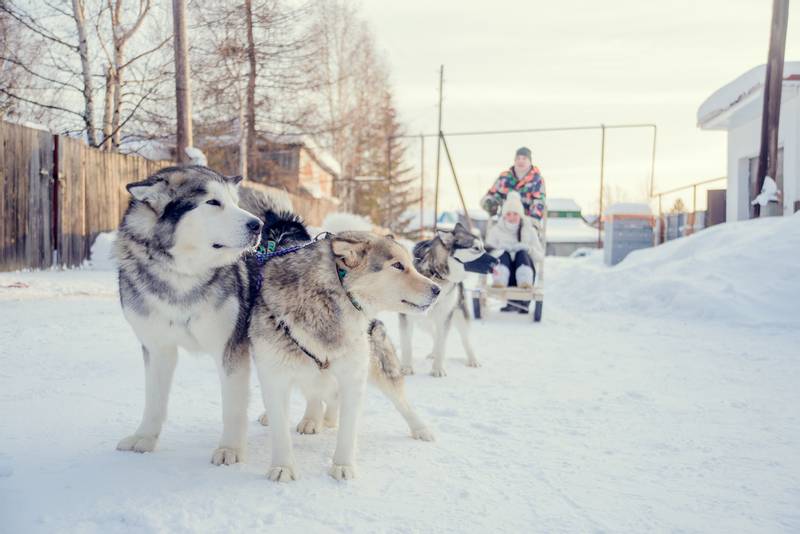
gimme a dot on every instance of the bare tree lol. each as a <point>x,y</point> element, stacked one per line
<point>353,79</point>
<point>79,14</point>
<point>252,75</point>
<point>65,72</point>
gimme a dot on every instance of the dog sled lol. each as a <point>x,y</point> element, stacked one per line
<point>485,292</point>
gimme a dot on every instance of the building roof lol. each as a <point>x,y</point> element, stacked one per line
<point>742,99</point>
<point>570,230</point>
<point>628,208</point>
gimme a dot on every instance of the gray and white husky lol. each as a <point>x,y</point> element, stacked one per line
<point>310,329</point>
<point>445,259</point>
<point>286,230</point>
<point>184,282</point>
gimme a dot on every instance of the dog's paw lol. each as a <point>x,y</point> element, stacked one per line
<point>309,426</point>
<point>263,419</point>
<point>438,372</point>
<point>227,456</point>
<point>343,472</point>
<point>407,370</point>
<point>137,443</point>
<point>281,473</point>
<point>423,433</point>
<point>473,363</point>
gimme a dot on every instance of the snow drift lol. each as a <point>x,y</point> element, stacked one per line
<point>743,273</point>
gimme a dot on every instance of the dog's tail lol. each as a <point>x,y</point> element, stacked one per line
<point>281,225</point>
<point>342,221</point>
<point>259,202</point>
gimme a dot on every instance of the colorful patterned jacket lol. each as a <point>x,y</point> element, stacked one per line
<point>530,188</point>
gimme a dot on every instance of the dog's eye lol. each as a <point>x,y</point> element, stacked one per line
<point>398,266</point>
<point>213,202</point>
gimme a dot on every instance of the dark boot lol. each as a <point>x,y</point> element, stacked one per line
<point>508,307</point>
<point>522,306</point>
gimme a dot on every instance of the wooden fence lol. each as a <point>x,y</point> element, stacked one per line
<point>57,194</point>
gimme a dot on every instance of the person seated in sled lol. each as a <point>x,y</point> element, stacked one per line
<point>524,178</point>
<point>515,242</point>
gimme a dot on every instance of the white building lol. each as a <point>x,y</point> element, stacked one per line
<point>567,231</point>
<point>736,108</point>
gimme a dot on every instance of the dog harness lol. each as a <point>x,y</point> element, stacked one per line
<point>263,255</point>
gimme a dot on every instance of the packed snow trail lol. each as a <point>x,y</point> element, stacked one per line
<point>614,414</point>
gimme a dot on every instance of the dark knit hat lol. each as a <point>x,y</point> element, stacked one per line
<point>524,151</point>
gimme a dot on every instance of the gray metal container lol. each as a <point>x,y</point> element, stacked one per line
<point>626,229</point>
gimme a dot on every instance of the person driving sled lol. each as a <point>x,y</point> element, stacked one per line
<point>516,241</point>
<point>526,179</point>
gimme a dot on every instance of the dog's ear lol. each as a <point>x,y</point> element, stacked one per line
<point>155,192</point>
<point>234,180</point>
<point>446,237</point>
<point>351,253</point>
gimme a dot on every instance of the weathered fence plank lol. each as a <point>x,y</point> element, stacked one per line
<point>26,197</point>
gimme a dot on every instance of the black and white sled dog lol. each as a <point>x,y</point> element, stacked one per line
<point>184,282</point>
<point>445,259</point>
<point>189,278</point>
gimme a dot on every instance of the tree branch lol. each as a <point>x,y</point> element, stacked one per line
<point>146,53</point>
<point>32,26</point>
<point>129,117</point>
<point>37,75</point>
<point>39,104</point>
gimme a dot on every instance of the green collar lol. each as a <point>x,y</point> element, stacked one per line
<point>269,249</point>
<point>342,273</point>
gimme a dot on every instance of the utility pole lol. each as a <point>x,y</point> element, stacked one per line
<point>250,113</point>
<point>389,183</point>
<point>773,83</point>
<point>421,184</point>
<point>602,176</point>
<point>183,91</point>
<point>438,151</point>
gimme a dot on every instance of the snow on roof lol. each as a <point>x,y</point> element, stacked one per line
<point>744,89</point>
<point>628,208</point>
<point>562,204</point>
<point>570,230</point>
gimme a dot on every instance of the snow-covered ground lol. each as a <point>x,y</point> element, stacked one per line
<point>658,395</point>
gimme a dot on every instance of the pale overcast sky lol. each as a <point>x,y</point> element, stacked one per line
<point>534,63</point>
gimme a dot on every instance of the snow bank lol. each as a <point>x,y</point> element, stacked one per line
<point>101,254</point>
<point>739,273</point>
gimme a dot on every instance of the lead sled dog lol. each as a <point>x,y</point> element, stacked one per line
<point>284,230</point>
